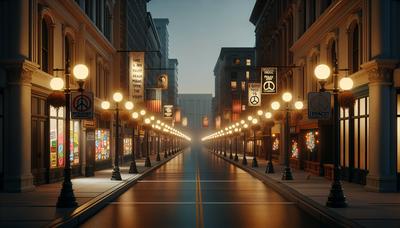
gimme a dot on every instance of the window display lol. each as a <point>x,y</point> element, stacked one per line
<point>311,140</point>
<point>127,146</point>
<point>57,139</point>
<point>275,144</point>
<point>102,137</point>
<point>295,149</point>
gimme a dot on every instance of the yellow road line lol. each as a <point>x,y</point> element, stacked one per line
<point>199,205</point>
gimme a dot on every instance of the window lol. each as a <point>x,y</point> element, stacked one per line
<point>344,137</point>
<point>107,23</point>
<point>354,48</point>
<point>248,62</point>
<point>247,75</point>
<point>398,131</point>
<point>243,86</point>
<point>57,145</point>
<point>127,146</point>
<point>236,61</point>
<point>233,85</point>
<point>1,132</point>
<point>102,137</point>
<point>45,46</point>
<point>361,133</point>
<point>68,46</point>
<point>312,12</point>
<point>331,56</point>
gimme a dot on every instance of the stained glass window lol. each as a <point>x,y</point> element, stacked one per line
<point>295,149</point>
<point>127,146</point>
<point>102,137</point>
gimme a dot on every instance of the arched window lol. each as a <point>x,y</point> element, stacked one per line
<point>332,55</point>
<point>354,48</point>
<point>45,46</point>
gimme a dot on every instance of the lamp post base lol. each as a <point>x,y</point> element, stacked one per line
<point>287,174</point>
<point>158,157</point>
<point>67,198</point>
<point>133,168</point>
<point>147,163</point>
<point>336,198</point>
<point>269,168</point>
<point>224,153</point>
<point>116,174</point>
<point>254,164</point>
<point>231,156</point>
<point>244,161</point>
<point>236,158</point>
<point>165,155</point>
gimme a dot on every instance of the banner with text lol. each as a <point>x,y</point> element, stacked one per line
<point>136,76</point>
<point>254,94</point>
<point>269,79</point>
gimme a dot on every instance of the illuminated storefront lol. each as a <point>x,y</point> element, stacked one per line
<point>56,136</point>
<point>102,144</point>
<point>127,146</point>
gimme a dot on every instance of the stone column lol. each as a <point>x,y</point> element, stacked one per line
<point>17,116</point>
<point>382,124</point>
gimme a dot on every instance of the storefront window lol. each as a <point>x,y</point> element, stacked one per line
<point>275,144</point>
<point>102,137</point>
<point>344,137</point>
<point>57,150</point>
<point>311,140</point>
<point>361,121</point>
<point>1,132</point>
<point>295,149</point>
<point>398,133</point>
<point>127,146</point>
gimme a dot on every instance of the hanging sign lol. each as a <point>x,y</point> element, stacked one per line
<point>162,81</point>
<point>205,121</point>
<point>269,79</point>
<point>184,121</point>
<point>254,94</point>
<point>168,111</point>
<point>177,115</point>
<point>319,105</point>
<point>153,99</point>
<point>82,105</point>
<point>136,75</point>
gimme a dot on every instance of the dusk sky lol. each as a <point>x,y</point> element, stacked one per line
<point>197,31</point>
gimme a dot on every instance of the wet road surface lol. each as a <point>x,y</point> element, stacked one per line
<point>198,189</point>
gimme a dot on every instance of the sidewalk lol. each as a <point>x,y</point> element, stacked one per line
<point>37,208</point>
<point>366,209</point>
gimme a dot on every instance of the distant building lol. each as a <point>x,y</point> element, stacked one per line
<point>195,107</point>
<point>171,95</point>
<point>233,71</point>
<point>162,30</point>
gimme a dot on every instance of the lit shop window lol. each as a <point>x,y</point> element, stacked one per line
<point>248,62</point>
<point>243,86</point>
<point>398,133</point>
<point>57,131</point>
<point>233,85</point>
<point>295,149</point>
<point>243,107</point>
<point>127,146</point>
<point>102,137</point>
<point>275,144</point>
<point>247,75</point>
<point>311,140</point>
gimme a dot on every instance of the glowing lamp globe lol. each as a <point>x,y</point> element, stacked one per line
<point>135,115</point>
<point>346,83</point>
<point>242,122</point>
<point>245,126</point>
<point>147,121</point>
<point>56,84</point>
<point>129,105</point>
<point>105,105</point>
<point>298,105</point>
<point>142,112</point>
<point>152,118</point>
<point>249,118</point>
<point>260,112</point>
<point>254,121</point>
<point>322,72</point>
<point>275,105</point>
<point>268,115</point>
<point>286,97</point>
<point>117,97</point>
<point>80,71</point>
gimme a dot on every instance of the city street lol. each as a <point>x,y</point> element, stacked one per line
<point>198,189</point>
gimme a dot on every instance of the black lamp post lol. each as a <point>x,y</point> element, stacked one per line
<point>268,124</point>
<point>244,161</point>
<point>67,199</point>
<point>147,162</point>
<point>237,133</point>
<point>133,167</point>
<point>254,127</point>
<point>336,196</point>
<point>287,97</point>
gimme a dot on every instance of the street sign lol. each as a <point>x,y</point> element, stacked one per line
<point>82,105</point>
<point>319,105</point>
<point>269,79</point>
<point>168,111</point>
<point>254,94</point>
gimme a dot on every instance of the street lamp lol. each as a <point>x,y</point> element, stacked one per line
<point>147,122</point>
<point>67,198</point>
<point>244,161</point>
<point>133,167</point>
<point>287,98</point>
<point>267,142</point>
<point>336,196</point>
<point>255,127</point>
<point>117,97</point>
<point>230,145</point>
<point>237,133</point>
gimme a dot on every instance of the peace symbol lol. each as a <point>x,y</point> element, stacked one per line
<point>82,103</point>
<point>269,86</point>
<point>254,100</point>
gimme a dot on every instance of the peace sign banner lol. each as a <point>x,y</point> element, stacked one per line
<point>254,94</point>
<point>269,78</point>
<point>82,105</point>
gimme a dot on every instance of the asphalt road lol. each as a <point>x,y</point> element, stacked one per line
<point>198,189</point>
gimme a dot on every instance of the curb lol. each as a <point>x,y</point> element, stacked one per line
<point>88,209</point>
<point>311,207</point>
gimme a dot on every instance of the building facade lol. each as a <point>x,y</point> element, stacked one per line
<point>196,107</point>
<point>46,35</point>
<point>171,95</point>
<point>233,71</point>
<point>362,36</point>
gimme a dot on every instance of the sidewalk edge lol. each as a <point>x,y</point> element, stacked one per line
<point>311,207</point>
<point>88,209</point>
